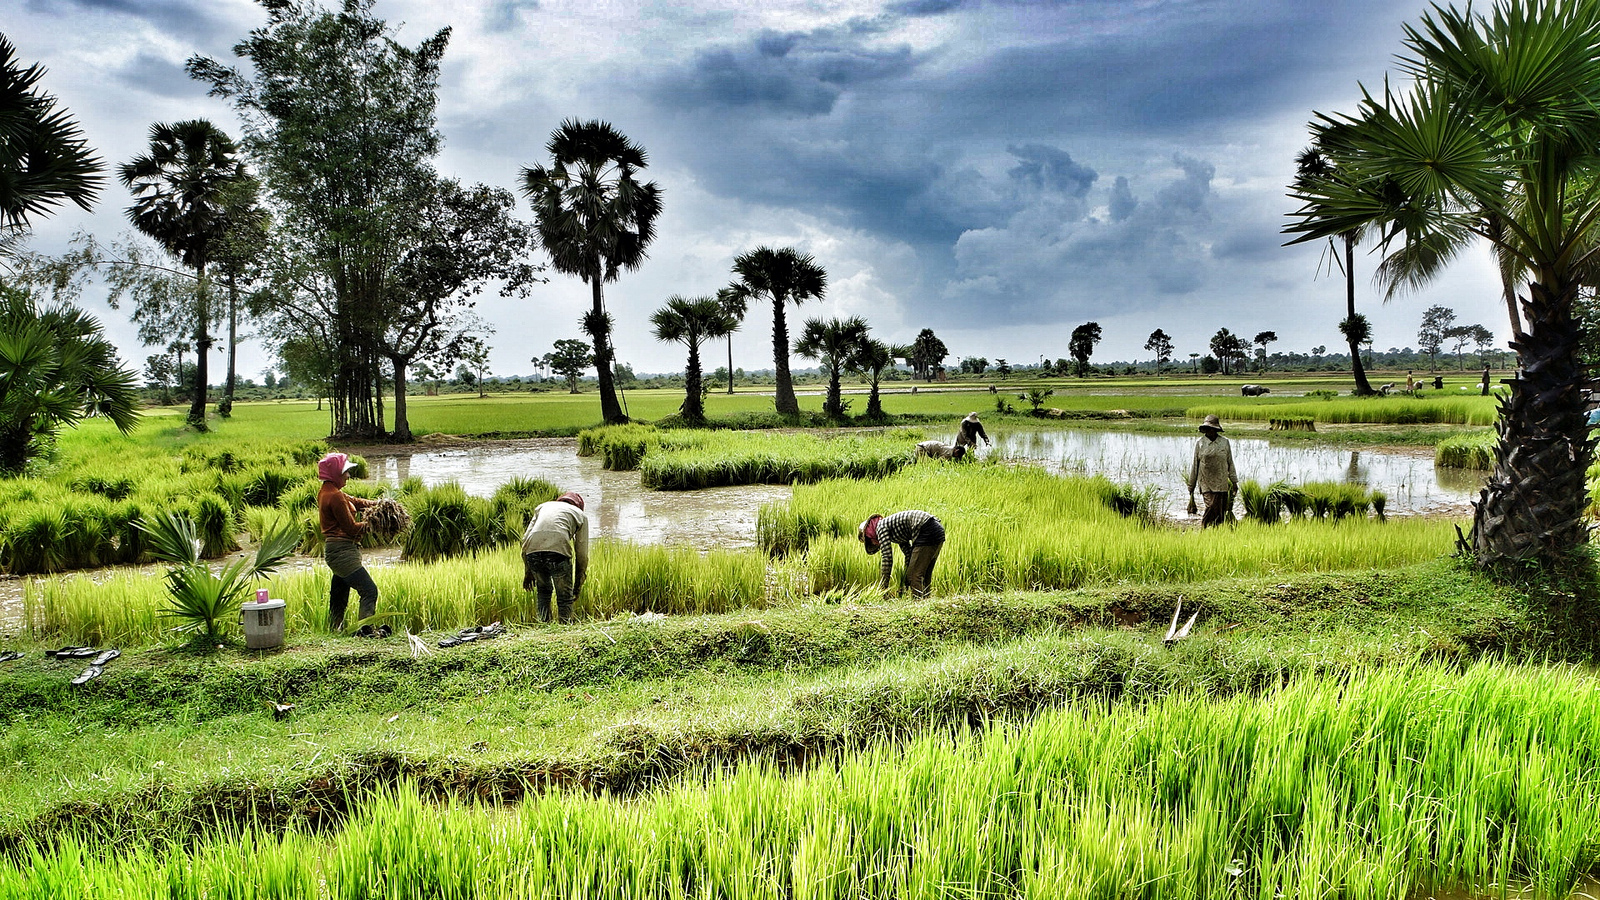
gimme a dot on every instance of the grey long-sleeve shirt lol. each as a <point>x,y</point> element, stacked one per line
<point>1213,466</point>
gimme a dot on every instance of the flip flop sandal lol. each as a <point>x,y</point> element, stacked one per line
<point>384,631</point>
<point>489,631</point>
<point>64,650</point>
<point>11,655</point>
<point>77,653</point>
<point>88,675</point>
<point>470,637</point>
<point>106,657</point>
<point>449,642</point>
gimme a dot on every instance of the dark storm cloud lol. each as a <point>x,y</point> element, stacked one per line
<point>504,15</point>
<point>784,73</point>
<point>1051,168</point>
<point>189,18</point>
<point>162,77</point>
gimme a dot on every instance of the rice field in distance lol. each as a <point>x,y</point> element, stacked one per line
<point>1353,714</point>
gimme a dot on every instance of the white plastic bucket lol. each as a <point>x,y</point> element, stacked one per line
<point>263,624</point>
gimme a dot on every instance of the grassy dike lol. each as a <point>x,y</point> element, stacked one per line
<point>168,743</point>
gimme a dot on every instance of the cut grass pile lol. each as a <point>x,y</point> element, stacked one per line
<point>1384,783</point>
<point>1027,529</point>
<point>1472,410</point>
<point>1320,500</point>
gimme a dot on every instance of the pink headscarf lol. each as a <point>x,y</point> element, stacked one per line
<point>334,465</point>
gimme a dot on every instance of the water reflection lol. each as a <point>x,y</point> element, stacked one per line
<point>617,506</point>
<point>1413,483</point>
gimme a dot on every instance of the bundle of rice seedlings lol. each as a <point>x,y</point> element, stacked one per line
<point>387,520</point>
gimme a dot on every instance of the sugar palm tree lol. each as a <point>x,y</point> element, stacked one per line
<point>689,322</point>
<point>832,343</point>
<point>1313,165</point>
<point>44,160</point>
<point>595,218</point>
<point>180,188</point>
<point>735,301</point>
<point>782,276</point>
<point>1503,120</point>
<point>870,359</point>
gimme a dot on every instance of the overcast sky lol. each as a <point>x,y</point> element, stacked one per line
<point>998,170</point>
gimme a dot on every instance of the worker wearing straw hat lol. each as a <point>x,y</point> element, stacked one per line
<point>555,554</point>
<point>971,432</point>
<point>1212,472</point>
<point>920,536</point>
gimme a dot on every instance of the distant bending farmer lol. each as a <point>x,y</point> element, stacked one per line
<point>341,544</point>
<point>555,553</point>
<point>971,432</point>
<point>1213,473</point>
<point>920,536</point>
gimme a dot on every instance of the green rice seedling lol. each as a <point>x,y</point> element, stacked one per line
<point>118,487</point>
<point>1261,503</point>
<point>300,497</point>
<point>91,533</point>
<point>266,486</point>
<point>442,523</point>
<point>215,525</point>
<point>1379,501</point>
<point>1466,451</point>
<point>1473,410</point>
<point>1292,423</point>
<point>36,538</point>
<point>690,460</point>
<point>260,520</point>
<point>1132,501</point>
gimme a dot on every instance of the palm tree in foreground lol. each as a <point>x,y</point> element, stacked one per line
<point>44,159</point>
<point>595,219</point>
<point>180,189</point>
<point>782,276</point>
<point>832,343</point>
<point>1502,124</point>
<point>689,322</point>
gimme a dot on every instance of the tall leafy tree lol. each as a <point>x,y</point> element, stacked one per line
<point>782,276</point>
<point>595,219</point>
<point>1227,347</point>
<point>870,359</point>
<point>1159,343</point>
<point>832,342</point>
<point>1436,322</point>
<point>735,302</point>
<point>568,359</point>
<point>690,322</point>
<point>341,119</point>
<point>237,256</point>
<point>44,160</point>
<point>56,367</point>
<point>1081,345</point>
<point>1317,166</point>
<point>467,239</point>
<point>178,192</point>
<point>1261,340</point>
<point>927,354</point>
<point>1503,118</point>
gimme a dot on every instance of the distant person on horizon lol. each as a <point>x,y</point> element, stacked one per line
<point>555,554</point>
<point>920,536</point>
<point>341,545</point>
<point>1212,472</point>
<point>971,432</point>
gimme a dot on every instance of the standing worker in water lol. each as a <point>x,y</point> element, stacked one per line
<point>341,545</point>
<point>920,536</point>
<point>971,432</point>
<point>555,554</point>
<point>1213,473</point>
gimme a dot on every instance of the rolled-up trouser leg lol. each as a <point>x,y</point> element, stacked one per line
<point>919,569</point>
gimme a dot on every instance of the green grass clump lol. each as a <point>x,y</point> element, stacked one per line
<point>1467,451</point>
<point>1473,410</point>
<point>1321,500</point>
<point>690,459</point>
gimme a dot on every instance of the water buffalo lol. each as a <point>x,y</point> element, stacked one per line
<point>1254,390</point>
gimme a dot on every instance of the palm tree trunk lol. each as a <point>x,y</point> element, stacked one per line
<point>730,364</point>
<point>202,344</point>
<point>1363,388</point>
<point>1532,508</point>
<point>693,407</point>
<point>402,424</point>
<point>835,406</point>
<point>874,405</point>
<point>610,409</point>
<point>785,400</point>
<point>233,345</point>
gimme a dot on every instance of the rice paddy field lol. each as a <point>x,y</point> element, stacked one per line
<point>1353,713</point>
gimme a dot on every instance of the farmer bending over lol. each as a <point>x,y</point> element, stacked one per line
<point>1213,473</point>
<point>555,553</point>
<point>971,432</point>
<point>341,548</point>
<point>940,450</point>
<point>920,536</point>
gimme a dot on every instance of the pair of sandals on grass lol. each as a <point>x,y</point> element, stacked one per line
<point>468,635</point>
<point>97,660</point>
